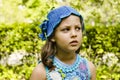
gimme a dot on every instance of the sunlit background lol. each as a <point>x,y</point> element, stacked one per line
<point>20,45</point>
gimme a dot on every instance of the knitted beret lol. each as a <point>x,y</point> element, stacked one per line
<point>54,17</point>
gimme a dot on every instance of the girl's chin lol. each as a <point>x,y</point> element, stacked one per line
<point>73,50</point>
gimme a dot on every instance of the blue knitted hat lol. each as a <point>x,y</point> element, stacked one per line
<point>54,17</point>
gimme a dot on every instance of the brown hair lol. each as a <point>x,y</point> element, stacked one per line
<point>48,51</point>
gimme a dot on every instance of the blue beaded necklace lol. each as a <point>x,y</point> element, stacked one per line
<point>65,67</point>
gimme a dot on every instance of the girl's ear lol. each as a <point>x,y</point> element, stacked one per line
<point>53,40</point>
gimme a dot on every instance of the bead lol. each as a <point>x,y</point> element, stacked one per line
<point>66,67</point>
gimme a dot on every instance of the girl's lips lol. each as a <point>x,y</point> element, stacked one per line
<point>74,42</point>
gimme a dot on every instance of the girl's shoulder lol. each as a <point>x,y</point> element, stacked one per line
<point>92,70</point>
<point>39,72</point>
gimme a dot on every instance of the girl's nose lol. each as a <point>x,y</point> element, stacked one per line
<point>73,33</point>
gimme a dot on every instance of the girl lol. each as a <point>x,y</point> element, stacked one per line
<point>60,59</point>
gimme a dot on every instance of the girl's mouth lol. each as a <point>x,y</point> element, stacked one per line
<point>74,43</point>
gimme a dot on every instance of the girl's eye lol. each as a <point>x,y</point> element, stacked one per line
<point>65,30</point>
<point>78,28</point>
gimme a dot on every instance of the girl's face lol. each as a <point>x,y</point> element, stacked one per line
<point>68,35</point>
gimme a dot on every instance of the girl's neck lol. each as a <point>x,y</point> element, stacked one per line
<point>68,58</point>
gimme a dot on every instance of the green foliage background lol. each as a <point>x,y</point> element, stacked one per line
<point>19,29</point>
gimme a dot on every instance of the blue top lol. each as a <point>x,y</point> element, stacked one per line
<point>79,70</point>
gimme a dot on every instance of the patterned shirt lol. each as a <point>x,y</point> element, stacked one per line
<point>79,70</point>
